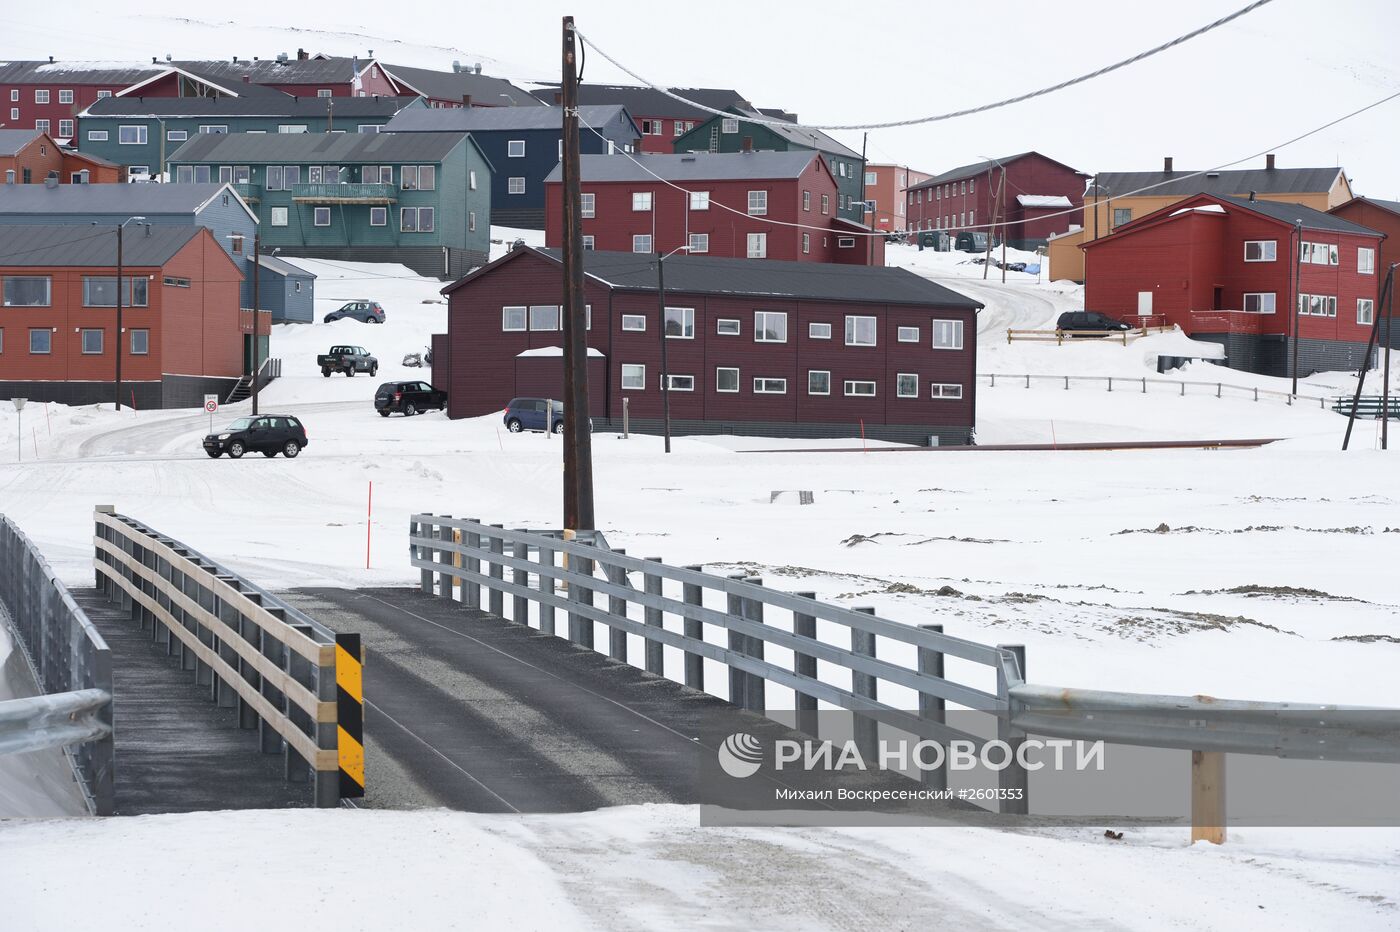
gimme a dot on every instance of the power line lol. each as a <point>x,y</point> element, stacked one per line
<point>1107,69</point>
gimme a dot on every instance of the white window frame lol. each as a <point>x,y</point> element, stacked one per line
<point>588,204</point>
<point>515,310</point>
<point>140,129</point>
<point>818,330</point>
<point>850,386</point>
<point>277,217</point>
<point>1367,318</point>
<point>515,148</point>
<point>822,372</point>
<point>854,322</point>
<point>807,201</point>
<point>101,341</point>
<point>719,387</point>
<point>699,243</point>
<point>806,243</point>
<point>729,125</point>
<point>758,203</point>
<point>736,330</point>
<point>65,129</point>
<point>515,185</point>
<point>899,391</point>
<point>384,213</point>
<point>1369,266</point>
<point>1268,250</point>
<point>1272,302</point>
<point>97,135</point>
<point>634,323</point>
<point>213,129</point>
<point>588,242</point>
<point>947,391</point>
<point>953,330</point>
<point>758,330</point>
<point>641,239</point>
<point>177,135</point>
<point>637,377</point>
<point>558,318</point>
<point>671,385</point>
<point>756,245</point>
<point>145,334</point>
<point>641,201</point>
<point>767,385</point>
<point>41,95</point>
<point>699,200</point>
<point>687,322</point>
<point>41,126</point>
<point>316,216</point>
<point>907,335</point>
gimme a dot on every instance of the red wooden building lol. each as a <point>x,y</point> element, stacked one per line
<point>760,348</point>
<point>48,95</point>
<point>661,118</point>
<point>303,76</point>
<point>1383,216</point>
<point>1041,197</point>
<point>30,157</point>
<point>1224,268</point>
<point>754,205</point>
<point>182,327</point>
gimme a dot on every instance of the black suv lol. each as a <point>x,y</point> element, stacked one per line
<point>366,312</point>
<point>268,434</point>
<point>408,397</point>
<point>1089,320</point>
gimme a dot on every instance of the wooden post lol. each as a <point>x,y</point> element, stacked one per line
<point>1208,797</point>
<point>932,707</point>
<point>547,589</point>
<point>617,608</point>
<point>866,729</point>
<point>694,629</point>
<point>520,605</point>
<point>651,584</point>
<point>495,598</point>
<point>805,665</point>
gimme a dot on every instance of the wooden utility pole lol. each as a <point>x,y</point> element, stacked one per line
<point>1001,202</point>
<point>578,441</point>
<point>992,229</point>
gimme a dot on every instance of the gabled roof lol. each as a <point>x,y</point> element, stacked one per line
<point>1391,206</point>
<point>282,267</point>
<point>1289,213</point>
<point>242,148</point>
<point>810,139</point>
<point>485,90</point>
<point>83,245</point>
<point>13,141</point>
<point>315,70</point>
<point>981,168</point>
<point>75,72</point>
<point>231,88</point>
<point>83,200</point>
<point>759,278</point>
<point>1238,182</point>
<point>697,166</point>
<point>1215,205</point>
<point>272,104</point>
<point>644,101</point>
<point>492,119</point>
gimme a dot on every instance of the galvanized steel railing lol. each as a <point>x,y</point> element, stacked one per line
<point>71,664</point>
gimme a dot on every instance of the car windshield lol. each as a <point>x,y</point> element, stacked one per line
<point>242,423</point>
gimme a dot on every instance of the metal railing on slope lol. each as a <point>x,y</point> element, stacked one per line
<point>1141,384</point>
<point>71,664</point>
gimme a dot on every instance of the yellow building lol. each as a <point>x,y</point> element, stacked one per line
<point>1113,199</point>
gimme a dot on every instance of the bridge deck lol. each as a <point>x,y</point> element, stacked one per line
<point>176,750</point>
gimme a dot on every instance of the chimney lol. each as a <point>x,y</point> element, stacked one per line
<point>51,182</point>
<point>50,59</point>
<point>1269,161</point>
<point>456,66</point>
<point>247,79</point>
<point>558,98</point>
<point>153,59</point>
<point>301,55</point>
<point>477,68</point>
<point>1253,196</point>
<point>1167,165</point>
<point>466,100</point>
<point>748,143</point>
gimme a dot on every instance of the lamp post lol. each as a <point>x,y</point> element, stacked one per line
<point>121,226</point>
<point>665,369</point>
<point>257,347</point>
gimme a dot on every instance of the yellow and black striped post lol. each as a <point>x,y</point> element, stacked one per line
<point>350,712</point>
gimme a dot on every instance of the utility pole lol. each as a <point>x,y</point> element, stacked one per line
<point>578,442</point>
<point>330,105</point>
<point>865,207</point>
<point>1297,299</point>
<point>257,314</point>
<point>120,227</point>
<point>1001,202</point>
<point>1387,297</point>
<point>991,230</point>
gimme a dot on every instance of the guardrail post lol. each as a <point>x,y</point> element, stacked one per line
<point>933,708</point>
<point>651,585</point>
<point>738,679</point>
<point>1013,776</point>
<point>442,557</point>
<point>580,626</point>
<point>755,691</point>
<point>617,608</point>
<point>1208,797</point>
<point>1066,383</point>
<point>269,740</point>
<point>520,604</point>
<point>425,552</point>
<point>101,754</point>
<point>866,730</point>
<point>805,626</point>
<point>1219,387</point>
<point>471,589</point>
<point>327,786</point>
<point>496,599</point>
<point>694,628</point>
<point>1110,383</point>
<point>1144,385</point>
<point>546,582</point>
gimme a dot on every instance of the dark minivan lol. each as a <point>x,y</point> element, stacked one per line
<point>408,398</point>
<point>268,434</point>
<point>529,414</point>
<point>1089,320</point>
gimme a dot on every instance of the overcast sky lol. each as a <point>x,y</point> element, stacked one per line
<point>1287,68</point>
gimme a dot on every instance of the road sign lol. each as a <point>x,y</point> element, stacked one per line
<point>211,403</point>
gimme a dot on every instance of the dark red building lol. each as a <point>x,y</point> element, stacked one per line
<point>1383,216</point>
<point>1223,269</point>
<point>303,76</point>
<point>48,95</point>
<point>662,119</point>
<point>741,205</point>
<point>1042,197</point>
<point>759,348</point>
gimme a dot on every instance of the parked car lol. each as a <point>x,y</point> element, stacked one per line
<point>366,312</point>
<point>347,359</point>
<point>529,414</point>
<point>408,398</point>
<point>1089,320</point>
<point>268,434</point>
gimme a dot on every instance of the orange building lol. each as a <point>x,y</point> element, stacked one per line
<point>28,156</point>
<point>885,193</point>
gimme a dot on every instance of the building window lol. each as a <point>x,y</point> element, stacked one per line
<point>321,216</point>
<point>680,383</point>
<point>841,169</point>
<point>1365,311</point>
<point>948,334</point>
<point>1260,250</point>
<point>1261,303</point>
<point>817,331</point>
<point>417,219</point>
<point>471,221</point>
<point>378,216</point>
<point>92,342</point>
<point>471,180</point>
<point>766,386</point>
<point>651,127</point>
<point>41,126</point>
<point>729,125</point>
<point>587,203</point>
<point>726,380</point>
<point>97,135</point>
<point>291,128</point>
<point>370,174</point>
<point>641,242</point>
<point>368,128</point>
<point>758,203</point>
<point>770,326</point>
<point>515,185</point>
<point>637,322</point>
<point>758,245</point>
<point>28,290</point>
<point>1122,215</point>
<point>587,242</point>
<point>101,291</point>
<point>634,377</point>
<point>845,242</point>
<point>1317,305</point>
<point>236,245</point>
<point>323,92</point>
<point>14,94</point>
<point>699,200</point>
<point>515,149</point>
<point>699,242</point>
<point>860,389</point>
<point>680,323</point>
<point>513,318</point>
<point>860,331</point>
<point>100,94</point>
<point>213,129</point>
<point>177,135</point>
<point>945,390</point>
<point>41,96</point>
<point>40,342</point>
<point>641,200</point>
<point>807,200</point>
<point>545,317</point>
<point>806,243</point>
<point>175,282</point>
<point>818,382</point>
<point>65,129</point>
<point>908,334</point>
<point>826,203</point>
<point>417,177</point>
<point>1366,261</point>
<point>906,385</point>
<point>727,327</point>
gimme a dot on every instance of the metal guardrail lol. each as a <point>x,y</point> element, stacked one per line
<point>1141,384</point>
<point>274,664</point>
<point>540,574</point>
<point>71,664</point>
<point>1367,405</point>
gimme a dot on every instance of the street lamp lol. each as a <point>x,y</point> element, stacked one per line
<point>257,277</point>
<point>120,227</point>
<point>665,369</point>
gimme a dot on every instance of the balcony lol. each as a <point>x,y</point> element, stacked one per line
<point>252,193</point>
<point>344,193</point>
<point>1232,321</point>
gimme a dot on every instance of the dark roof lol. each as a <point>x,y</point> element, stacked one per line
<point>282,267</point>
<point>76,72</point>
<point>808,138</point>
<point>489,119</point>
<point>697,166</point>
<point>274,104</point>
<point>1392,206</point>
<point>977,168</point>
<point>768,278</point>
<point>644,101</point>
<point>1239,182</point>
<point>332,70</point>
<point>13,140</point>
<point>1288,213</point>
<point>82,244</point>
<point>314,147</point>
<point>85,199</point>
<point>452,85</point>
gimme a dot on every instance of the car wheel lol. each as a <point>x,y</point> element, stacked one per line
<point>326,373</point>
<point>442,406</point>
<point>558,427</point>
<point>269,453</point>
<point>514,426</point>
<point>409,410</point>
<point>384,412</point>
<point>375,320</point>
<point>235,450</point>
<point>373,371</point>
<point>214,454</point>
<point>291,450</point>
<point>349,372</point>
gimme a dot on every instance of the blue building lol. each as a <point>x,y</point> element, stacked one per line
<point>524,144</point>
<point>284,290</point>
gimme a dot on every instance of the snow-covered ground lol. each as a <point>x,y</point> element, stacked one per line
<point>1247,573</point>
